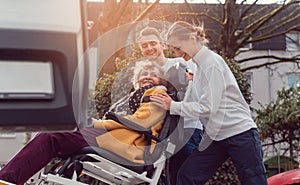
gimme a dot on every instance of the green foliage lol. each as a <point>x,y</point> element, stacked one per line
<point>225,175</point>
<point>280,120</point>
<point>92,111</point>
<point>240,78</point>
<point>103,93</point>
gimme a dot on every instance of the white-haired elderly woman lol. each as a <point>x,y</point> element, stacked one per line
<point>107,134</point>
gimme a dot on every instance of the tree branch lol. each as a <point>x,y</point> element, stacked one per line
<point>296,57</point>
<point>198,14</point>
<point>191,9</point>
<point>258,23</point>
<point>267,64</point>
<point>277,142</point>
<point>145,12</point>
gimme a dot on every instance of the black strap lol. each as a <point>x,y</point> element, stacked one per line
<point>146,99</point>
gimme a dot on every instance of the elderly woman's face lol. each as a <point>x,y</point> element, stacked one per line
<point>148,77</point>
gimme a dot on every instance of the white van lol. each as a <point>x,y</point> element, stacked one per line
<point>41,45</point>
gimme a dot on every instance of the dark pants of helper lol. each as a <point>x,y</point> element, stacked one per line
<point>245,151</point>
<point>42,148</point>
<point>192,137</point>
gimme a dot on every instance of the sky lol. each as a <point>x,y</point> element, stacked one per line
<point>204,1</point>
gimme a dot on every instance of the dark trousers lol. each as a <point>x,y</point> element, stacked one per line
<point>192,137</point>
<point>42,148</point>
<point>245,151</point>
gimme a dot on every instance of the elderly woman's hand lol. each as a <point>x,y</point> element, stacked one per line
<point>161,100</point>
<point>94,120</point>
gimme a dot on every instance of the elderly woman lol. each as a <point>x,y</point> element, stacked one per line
<point>107,134</point>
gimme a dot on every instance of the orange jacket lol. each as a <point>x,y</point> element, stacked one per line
<point>127,143</point>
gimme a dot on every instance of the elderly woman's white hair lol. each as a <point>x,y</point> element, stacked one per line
<point>145,64</point>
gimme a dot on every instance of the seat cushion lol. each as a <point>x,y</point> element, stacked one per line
<point>139,168</point>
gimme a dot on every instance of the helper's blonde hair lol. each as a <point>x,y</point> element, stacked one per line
<point>182,31</point>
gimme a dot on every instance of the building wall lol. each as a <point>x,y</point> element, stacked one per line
<point>266,81</point>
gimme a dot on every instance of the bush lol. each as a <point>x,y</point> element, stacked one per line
<point>279,121</point>
<point>225,175</point>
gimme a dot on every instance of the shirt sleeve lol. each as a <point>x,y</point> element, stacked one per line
<point>209,95</point>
